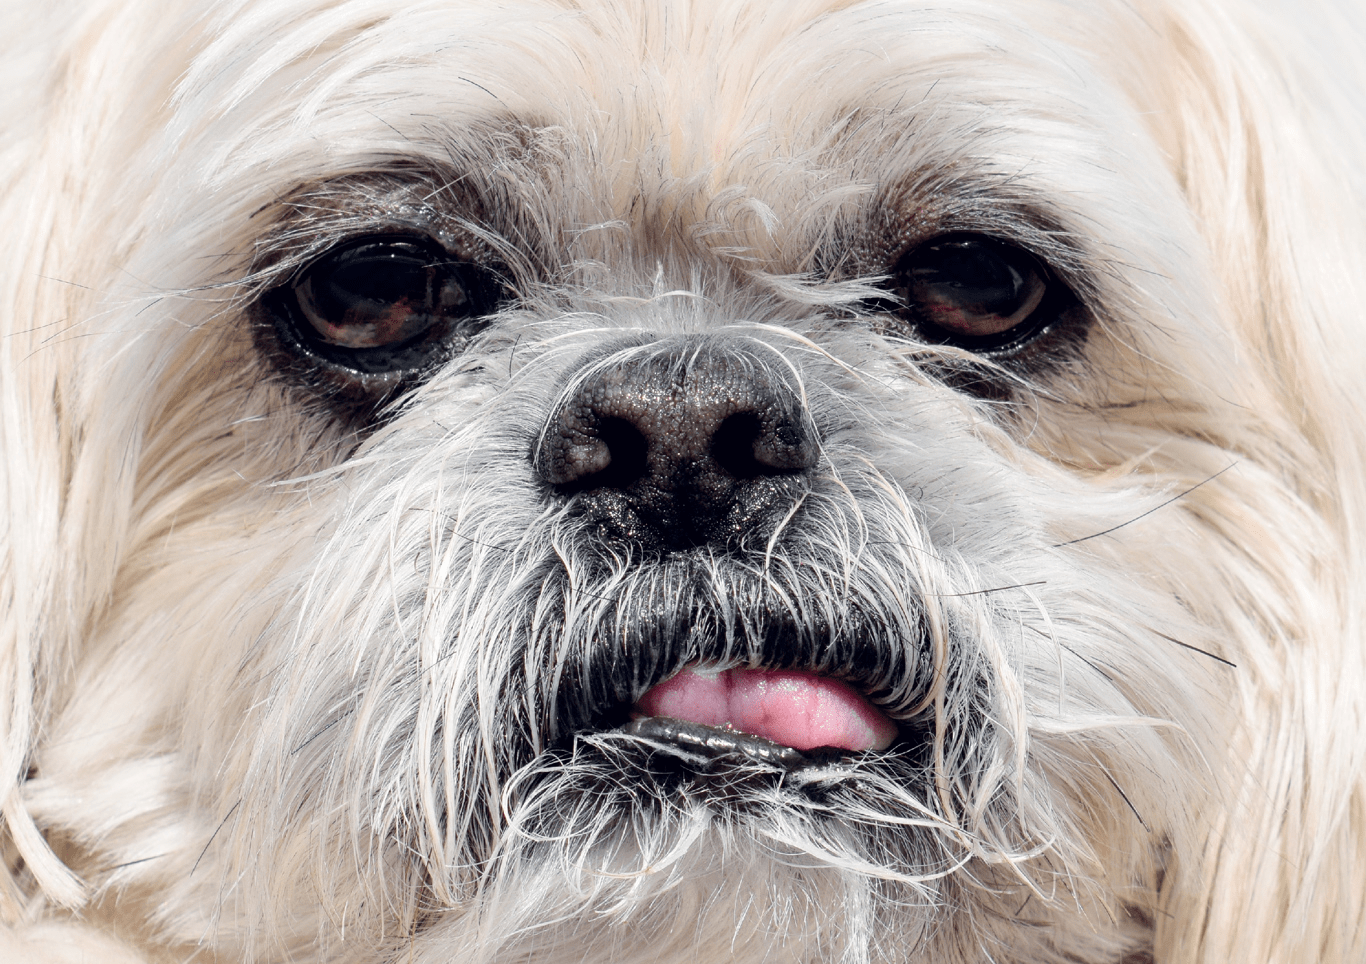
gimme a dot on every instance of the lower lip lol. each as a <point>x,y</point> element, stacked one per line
<point>795,708</point>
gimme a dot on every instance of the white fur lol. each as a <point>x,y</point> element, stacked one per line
<point>258,668</point>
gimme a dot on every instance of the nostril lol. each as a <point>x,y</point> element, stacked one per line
<point>626,457</point>
<point>747,447</point>
<point>628,449</point>
<point>678,447</point>
<point>733,446</point>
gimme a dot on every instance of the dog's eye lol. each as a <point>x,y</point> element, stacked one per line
<point>972,291</point>
<point>379,294</point>
<point>383,304</point>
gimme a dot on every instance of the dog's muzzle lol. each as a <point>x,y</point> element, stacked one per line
<point>702,448</point>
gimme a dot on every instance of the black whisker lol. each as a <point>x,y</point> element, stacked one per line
<point>983,592</point>
<point>221,824</point>
<point>1175,498</point>
<point>140,860</point>
<point>1197,649</point>
<point>1120,790</point>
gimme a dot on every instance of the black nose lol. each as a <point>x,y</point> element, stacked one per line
<point>676,447</point>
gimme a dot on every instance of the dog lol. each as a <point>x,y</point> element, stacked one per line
<point>663,480</point>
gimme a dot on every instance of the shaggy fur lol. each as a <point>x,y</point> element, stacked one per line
<point>300,666</point>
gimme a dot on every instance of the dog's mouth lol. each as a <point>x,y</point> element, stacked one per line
<point>761,713</point>
<point>677,665</point>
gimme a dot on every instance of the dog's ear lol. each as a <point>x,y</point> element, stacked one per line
<point>1253,124</point>
<point>37,618</point>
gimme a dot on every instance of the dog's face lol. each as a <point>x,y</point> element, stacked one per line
<point>672,481</point>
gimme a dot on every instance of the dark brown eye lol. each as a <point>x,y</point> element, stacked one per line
<point>974,292</point>
<point>383,304</point>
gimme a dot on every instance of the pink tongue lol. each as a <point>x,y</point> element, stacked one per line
<point>794,708</point>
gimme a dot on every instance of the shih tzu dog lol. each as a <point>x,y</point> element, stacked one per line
<point>682,480</point>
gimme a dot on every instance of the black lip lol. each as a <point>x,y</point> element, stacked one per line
<point>701,744</point>
<point>701,748</point>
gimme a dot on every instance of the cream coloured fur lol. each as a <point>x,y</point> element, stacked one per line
<point>280,685</point>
